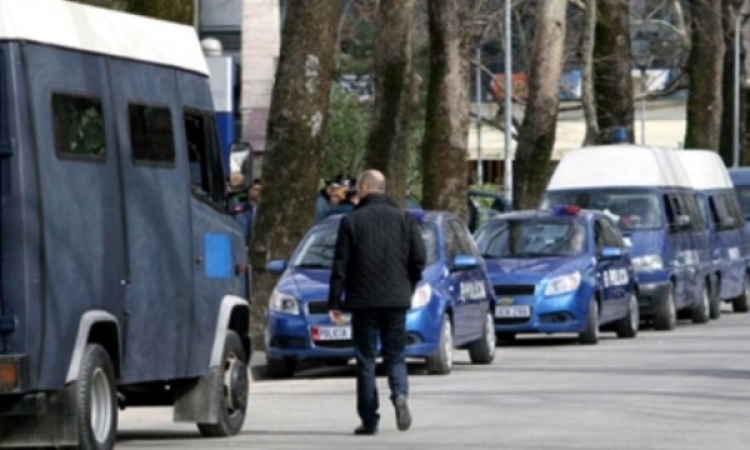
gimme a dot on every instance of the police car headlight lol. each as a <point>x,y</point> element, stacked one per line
<point>421,296</point>
<point>284,303</point>
<point>648,263</point>
<point>563,284</point>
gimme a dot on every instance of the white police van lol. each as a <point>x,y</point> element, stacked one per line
<point>651,197</point>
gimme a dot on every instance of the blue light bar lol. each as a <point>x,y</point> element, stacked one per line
<point>566,210</point>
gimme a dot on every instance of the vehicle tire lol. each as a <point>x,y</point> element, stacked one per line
<point>627,327</point>
<point>590,335</point>
<point>715,311</point>
<point>482,351</point>
<point>442,361</point>
<point>236,385</point>
<point>701,312</point>
<point>665,316</point>
<point>280,368</point>
<point>96,398</point>
<point>739,304</point>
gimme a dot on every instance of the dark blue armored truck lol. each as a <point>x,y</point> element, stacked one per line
<point>123,280</point>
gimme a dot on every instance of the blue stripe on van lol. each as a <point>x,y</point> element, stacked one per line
<point>218,255</point>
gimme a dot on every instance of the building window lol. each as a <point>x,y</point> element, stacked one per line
<point>78,126</point>
<point>151,134</point>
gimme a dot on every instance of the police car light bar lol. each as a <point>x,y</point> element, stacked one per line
<point>566,210</point>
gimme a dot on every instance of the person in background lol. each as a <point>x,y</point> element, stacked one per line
<point>247,218</point>
<point>323,202</point>
<point>348,199</point>
<point>409,200</point>
<point>378,260</point>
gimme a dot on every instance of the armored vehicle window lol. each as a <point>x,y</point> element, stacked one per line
<point>151,134</point>
<point>78,126</point>
<point>206,172</point>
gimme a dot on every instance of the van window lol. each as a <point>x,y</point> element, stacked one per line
<point>78,126</point>
<point>743,198</point>
<point>151,134</point>
<point>693,210</point>
<point>635,209</point>
<point>724,212</point>
<point>206,172</point>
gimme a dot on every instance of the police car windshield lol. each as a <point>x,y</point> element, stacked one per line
<point>533,238</point>
<point>743,197</point>
<point>629,209</point>
<point>316,251</point>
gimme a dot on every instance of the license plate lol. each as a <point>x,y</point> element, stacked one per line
<point>331,333</point>
<point>513,311</point>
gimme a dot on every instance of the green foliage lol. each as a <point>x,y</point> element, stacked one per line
<point>346,137</point>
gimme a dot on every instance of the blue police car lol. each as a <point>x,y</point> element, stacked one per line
<point>452,306</point>
<point>560,271</point>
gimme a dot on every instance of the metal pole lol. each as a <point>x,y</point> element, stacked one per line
<point>737,74</point>
<point>508,157</point>
<point>644,87</point>
<point>480,169</point>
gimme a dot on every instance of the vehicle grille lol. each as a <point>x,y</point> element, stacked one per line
<point>317,307</point>
<point>334,344</point>
<point>515,289</point>
<point>511,321</point>
<point>287,342</point>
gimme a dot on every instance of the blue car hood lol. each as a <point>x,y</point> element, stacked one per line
<point>532,270</point>
<point>646,242</point>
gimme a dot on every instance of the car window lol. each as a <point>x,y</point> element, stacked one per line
<point>743,198</point>
<point>466,244</point>
<point>452,243</point>
<point>532,238</point>
<point>633,209</point>
<point>611,237</point>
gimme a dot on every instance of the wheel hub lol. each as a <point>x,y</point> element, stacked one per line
<point>236,382</point>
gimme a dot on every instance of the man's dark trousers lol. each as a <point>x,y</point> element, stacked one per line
<point>390,325</point>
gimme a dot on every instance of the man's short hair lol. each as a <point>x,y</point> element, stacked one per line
<point>373,179</point>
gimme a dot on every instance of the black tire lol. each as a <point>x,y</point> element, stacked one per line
<point>665,315</point>
<point>281,368</point>
<point>441,362</point>
<point>482,351</point>
<point>627,327</point>
<point>739,304</point>
<point>715,311</point>
<point>233,405</point>
<point>701,313</point>
<point>96,389</point>
<point>590,335</point>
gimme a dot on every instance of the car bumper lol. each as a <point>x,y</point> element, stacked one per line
<point>651,295</point>
<point>558,314</point>
<point>289,336</point>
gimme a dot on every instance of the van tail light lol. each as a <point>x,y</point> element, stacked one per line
<point>9,375</point>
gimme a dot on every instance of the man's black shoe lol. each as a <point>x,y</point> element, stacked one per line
<point>364,430</point>
<point>403,416</point>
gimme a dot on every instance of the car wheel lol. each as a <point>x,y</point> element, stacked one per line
<point>233,405</point>
<point>715,311</point>
<point>96,397</point>
<point>590,335</point>
<point>281,368</point>
<point>665,316</point>
<point>482,351</point>
<point>702,311</point>
<point>442,361</point>
<point>739,304</point>
<point>627,327</point>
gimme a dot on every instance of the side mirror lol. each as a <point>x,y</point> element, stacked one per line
<point>610,253</point>
<point>464,262</point>
<point>276,267</point>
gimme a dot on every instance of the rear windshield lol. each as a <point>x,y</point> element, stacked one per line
<point>316,250</point>
<point>631,209</point>
<point>532,238</point>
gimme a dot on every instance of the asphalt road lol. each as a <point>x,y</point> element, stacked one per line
<point>686,389</point>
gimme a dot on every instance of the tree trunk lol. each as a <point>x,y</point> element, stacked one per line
<point>393,74</point>
<point>299,109</point>
<point>705,69</point>
<point>537,136</point>
<point>180,11</point>
<point>447,121</point>
<point>613,81</point>
<point>728,119</point>
<point>587,73</point>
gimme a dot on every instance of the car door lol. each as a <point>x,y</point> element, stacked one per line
<point>455,281</point>
<point>603,273</point>
<point>475,285</point>
<point>619,270</point>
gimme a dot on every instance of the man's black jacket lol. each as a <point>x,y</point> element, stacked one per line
<point>379,257</point>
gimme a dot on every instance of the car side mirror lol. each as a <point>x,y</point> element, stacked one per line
<point>276,267</point>
<point>610,253</point>
<point>464,262</point>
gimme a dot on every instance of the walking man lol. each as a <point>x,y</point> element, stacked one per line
<point>378,261</point>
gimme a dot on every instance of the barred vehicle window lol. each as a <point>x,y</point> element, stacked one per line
<point>78,126</point>
<point>151,134</point>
